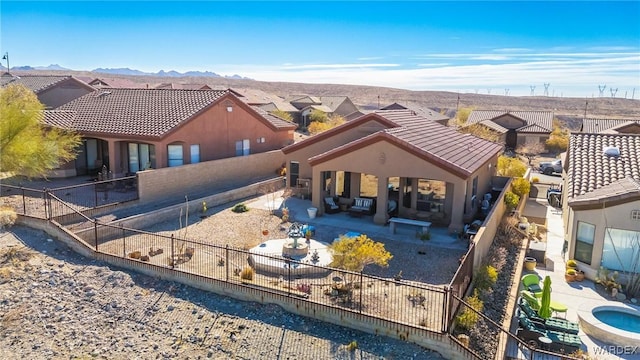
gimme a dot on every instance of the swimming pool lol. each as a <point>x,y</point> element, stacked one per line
<point>615,324</point>
<point>621,320</point>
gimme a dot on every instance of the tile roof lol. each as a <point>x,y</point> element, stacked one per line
<point>145,112</point>
<point>600,125</point>
<point>184,86</point>
<point>259,97</point>
<point>590,169</point>
<point>274,120</point>
<point>423,111</point>
<point>323,108</point>
<point>491,125</point>
<point>63,119</point>
<point>333,102</point>
<point>37,83</point>
<point>620,190</point>
<point>543,119</point>
<point>462,154</point>
<point>116,83</point>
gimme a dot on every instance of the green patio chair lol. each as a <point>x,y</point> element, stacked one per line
<point>554,324</point>
<point>534,303</point>
<point>531,282</point>
<point>531,332</point>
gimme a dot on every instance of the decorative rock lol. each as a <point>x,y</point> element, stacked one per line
<point>634,300</point>
<point>621,297</point>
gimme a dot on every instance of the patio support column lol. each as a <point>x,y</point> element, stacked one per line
<point>355,184</point>
<point>414,193</point>
<point>114,158</point>
<point>380,216</point>
<point>334,184</point>
<point>317,188</point>
<point>402,182</point>
<point>457,213</point>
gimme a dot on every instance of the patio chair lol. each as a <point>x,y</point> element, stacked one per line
<point>330,206</point>
<point>531,282</point>
<point>534,302</point>
<point>531,332</point>
<point>554,324</point>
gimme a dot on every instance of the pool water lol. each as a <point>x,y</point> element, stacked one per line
<point>621,320</point>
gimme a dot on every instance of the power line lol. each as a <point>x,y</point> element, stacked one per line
<point>601,88</point>
<point>546,89</point>
<point>613,92</point>
<point>533,89</point>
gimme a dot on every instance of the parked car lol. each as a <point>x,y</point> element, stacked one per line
<point>551,167</point>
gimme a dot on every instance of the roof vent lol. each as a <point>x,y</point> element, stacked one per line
<point>612,151</point>
<point>103,94</point>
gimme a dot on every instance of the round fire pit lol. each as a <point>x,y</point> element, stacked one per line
<point>291,248</point>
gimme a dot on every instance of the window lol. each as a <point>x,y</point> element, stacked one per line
<point>141,157</point>
<point>195,154</point>
<point>584,242</point>
<point>635,214</point>
<point>621,249</point>
<point>294,172</point>
<point>242,147</point>
<point>175,155</point>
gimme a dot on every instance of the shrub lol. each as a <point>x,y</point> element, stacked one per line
<point>511,200</point>
<point>510,167</point>
<point>8,216</point>
<point>240,208</point>
<point>247,273</point>
<point>520,186</point>
<point>572,263</point>
<point>535,179</point>
<point>486,277</point>
<point>352,346</point>
<point>468,318</point>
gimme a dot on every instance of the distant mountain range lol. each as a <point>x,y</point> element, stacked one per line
<point>127,71</point>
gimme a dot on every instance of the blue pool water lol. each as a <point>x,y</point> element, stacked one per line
<point>618,319</point>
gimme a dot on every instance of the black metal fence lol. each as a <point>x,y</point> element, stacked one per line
<point>82,198</point>
<point>461,281</point>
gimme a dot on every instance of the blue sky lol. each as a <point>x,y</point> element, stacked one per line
<point>474,46</point>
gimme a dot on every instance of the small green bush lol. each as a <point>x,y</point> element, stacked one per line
<point>240,208</point>
<point>535,179</point>
<point>468,318</point>
<point>8,216</point>
<point>352,346</point>
<point>511,200</point>
<point>486,277</point>
<point>520,186</point>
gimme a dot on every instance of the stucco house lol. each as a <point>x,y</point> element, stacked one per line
<point>422,111</point>
<point>52,90</point>
<point>427,168</point>
<point>601,207</point>
<point>129,130</point>
<point>610,126</point>
<point>516,127</point>
<point>330,105</point>
<point>264,100</point>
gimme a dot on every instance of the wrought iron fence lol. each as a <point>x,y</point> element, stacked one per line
<point>489,340</point>
<point>461,280</point>
<point>82,198</point>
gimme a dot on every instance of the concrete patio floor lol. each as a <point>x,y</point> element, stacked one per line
<point>576,295</point>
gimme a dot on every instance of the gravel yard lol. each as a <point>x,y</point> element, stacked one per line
<point>55,304</point>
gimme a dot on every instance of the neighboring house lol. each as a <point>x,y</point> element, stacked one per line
<point>601,205</point>
<point>99,83</point>
<point>610,126</point>
<point>516,127</point>
<point>184,86</point>
<point>330,105</point>
<point>424,112</point>
<point>428,169</point>
<point>129,130</point>
<point>265,101</point>
<point>52,90</point>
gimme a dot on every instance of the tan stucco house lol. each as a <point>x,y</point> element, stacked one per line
<point>601,207</point>
<point>515,127</point>
<point>52,90</point>
<point>425,167</point>
<point>128,130</point>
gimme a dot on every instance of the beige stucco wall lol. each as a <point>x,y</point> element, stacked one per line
<point>194,178</point>
<point>303,154</point>
<point>618,217</point>
<point>532,138</point>
<point>385,160</point>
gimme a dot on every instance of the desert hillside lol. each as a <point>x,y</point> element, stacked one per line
<point>569,110</point>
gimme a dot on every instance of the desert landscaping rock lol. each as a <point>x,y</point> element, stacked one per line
<point>59,305</point>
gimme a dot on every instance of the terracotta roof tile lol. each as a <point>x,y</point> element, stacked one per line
<point>626,188</point>
<point>138,112</point>
<point>36,83</point>
<point>543,119</point>
<point>590,169</point>
<point>600,125</point>
<point>461,153</point>
<point>63,119</point>
<point>274,120</point>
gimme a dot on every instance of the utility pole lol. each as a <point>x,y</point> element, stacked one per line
<point>546,89</point>
<point>613,92</point>
<point>458,103</point>
<point>533,89</point>
<point>601,89</point>
<point>586,103</point>
<point>506,92</point>
<point>6,57</point>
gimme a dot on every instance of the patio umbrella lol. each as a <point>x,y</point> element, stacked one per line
<point>545,310</point>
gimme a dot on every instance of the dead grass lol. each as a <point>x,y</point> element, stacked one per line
<point>15,256</point>
<point>12,316</point>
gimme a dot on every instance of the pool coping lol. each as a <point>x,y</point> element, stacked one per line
<point>595,328</point>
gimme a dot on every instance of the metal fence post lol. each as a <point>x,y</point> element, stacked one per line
<point>95,232</point>
<point>226,262</point>
<point>95,191</point>
<point>173,258</point>
<point>361,288</point>
<point>124,242</point>
<point>445,308</point>
<point>289,280</point>
<point>24,203</point>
